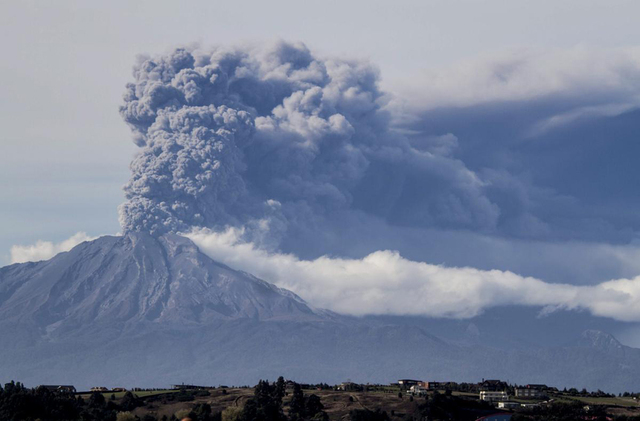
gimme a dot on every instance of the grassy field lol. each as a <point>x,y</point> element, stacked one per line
<point>141,394</point>
<point>338,403</point>
<point>624,402</point>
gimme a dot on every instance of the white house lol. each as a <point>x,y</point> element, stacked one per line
<point>493,396</point>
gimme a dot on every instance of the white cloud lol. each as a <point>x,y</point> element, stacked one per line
<point>44,250</point>
<point>526,75</point>
<point>582,113</point>
<point>386,283</point>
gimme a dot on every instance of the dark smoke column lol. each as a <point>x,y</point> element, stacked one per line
<point>191,155</point>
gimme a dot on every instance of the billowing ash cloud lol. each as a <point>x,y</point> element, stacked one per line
<point>230,136</point>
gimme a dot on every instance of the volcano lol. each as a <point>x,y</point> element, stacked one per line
<point>150,311</point>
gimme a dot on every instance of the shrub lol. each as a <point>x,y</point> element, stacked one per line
<point>125,416</point>
<point>183,413</point>
<point>232,414</point>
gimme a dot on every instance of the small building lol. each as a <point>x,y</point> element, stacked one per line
<point>118,389</point>
<point>494,396</point>
<point>508,405</point>
<point>348,386</point>
<point>99,389</point>
<point>58,388</point>
<point>418,390</point>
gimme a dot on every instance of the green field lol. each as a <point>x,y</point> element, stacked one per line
<point>141,394</point>
<point>624,402</point>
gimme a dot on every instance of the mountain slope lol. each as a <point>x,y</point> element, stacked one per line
<point>138,310</point>
<point>139,278</point>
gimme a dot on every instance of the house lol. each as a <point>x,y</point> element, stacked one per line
<point>99,389</point>
<point>493,396</point>
<point>58,388</point>
<point>407,383</point>
<point>492,385</point>
<point>348,386</point>
<point>118,389</point>
<point>531,391</point>
<point>434,385</point>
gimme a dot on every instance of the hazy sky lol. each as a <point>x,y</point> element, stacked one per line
<point>66,149</point>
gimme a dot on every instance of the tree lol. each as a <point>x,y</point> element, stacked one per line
<point>232,414</point>
<point>281,387</point>
<point>313,406</point>
<point>130,402</point>
<point>97,400</point>
<point>266,405</point>
<point>296,406</point>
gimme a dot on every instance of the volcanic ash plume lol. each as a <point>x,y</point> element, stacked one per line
<point>230,136</point>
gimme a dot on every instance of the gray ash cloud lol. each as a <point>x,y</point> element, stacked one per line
<point>229,136</point>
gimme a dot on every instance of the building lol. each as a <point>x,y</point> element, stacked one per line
<point>407,383</point>
<point>531,391</point>
<point>508,405</point>
<point>58,388</point>
<point>418,390</point>
<point>528,393</point>
<point>492,385</point>
<point>494,396</point>
<point>434,385</point>
<point>118,389</point>
<point>348,386</point>
<point>99,389</point>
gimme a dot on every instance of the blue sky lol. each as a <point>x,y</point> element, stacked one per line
<point>526,111</point>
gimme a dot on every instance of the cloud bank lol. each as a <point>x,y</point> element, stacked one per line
<point>588,74</point>
<point>44,250</point>
<point>386,283</point>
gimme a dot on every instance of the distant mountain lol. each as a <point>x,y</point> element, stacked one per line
<point>139,278</point>
<point>138,310</point>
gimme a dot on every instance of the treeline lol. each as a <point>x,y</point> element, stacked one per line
<point>18,403</point>
<point>585,393</point>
